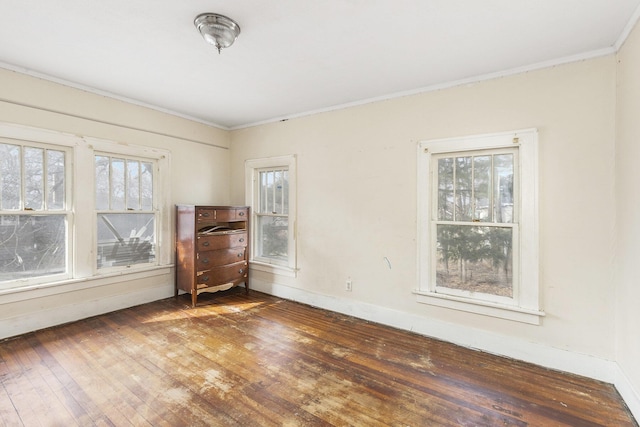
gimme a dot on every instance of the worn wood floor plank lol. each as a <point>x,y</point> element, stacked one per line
<point>76,384</point>
<point>256,360</point>
<point>387,382</point>
<point>148,393</point>
<point>19,387</point>
<point>208,386</point>
<point>101,389</point>
<point>47,386</point>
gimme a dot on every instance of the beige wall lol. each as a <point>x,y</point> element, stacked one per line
<point>357,196</point>
<point>628,203</point>
<point>199,174</point>
<point>35,102</point>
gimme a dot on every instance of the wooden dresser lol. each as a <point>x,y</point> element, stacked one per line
<point>212,245</point>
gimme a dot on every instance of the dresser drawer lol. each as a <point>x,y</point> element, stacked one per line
<point>209,259</point>
<point>207,215</point>
<point>221,241</point>
<point>242,214</point>
<point>225,274</point>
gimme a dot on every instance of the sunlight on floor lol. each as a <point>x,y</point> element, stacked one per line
<point>206,310</point>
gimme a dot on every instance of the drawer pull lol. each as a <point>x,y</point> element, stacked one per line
<point>241,271</point>
<point>241,213</point>
<point>241,239</point>
<point>205,279</point>
<point>240,254</point>
<point>205,261</point>
<point>205,214</point>
<point>205,243</point>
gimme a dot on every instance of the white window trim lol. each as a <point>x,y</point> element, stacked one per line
<point>161,203</point>
<point>252,168</point>
<point>80,166</point>
<point>44,142</point>
<point>526,305</point>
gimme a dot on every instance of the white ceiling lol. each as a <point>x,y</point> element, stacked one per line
<point>294,57</point>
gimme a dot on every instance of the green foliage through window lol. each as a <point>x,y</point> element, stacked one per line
<point>474,222</point>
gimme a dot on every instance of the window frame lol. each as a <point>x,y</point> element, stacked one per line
<point>524,306</point>
<point>253,167</point>
<point>45,144</point>
<point>126,209</point>
<point>161,205</point>
<point>81,231</point>
<point>513,225</point>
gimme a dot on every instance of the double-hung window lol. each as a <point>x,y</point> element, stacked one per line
<point>35,212</point>
<point>478,224</point>
<point>126,218</point>
<point>76,207</point>
<point>271,193</point>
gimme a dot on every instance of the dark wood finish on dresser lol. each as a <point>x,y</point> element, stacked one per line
<point>212,245</point>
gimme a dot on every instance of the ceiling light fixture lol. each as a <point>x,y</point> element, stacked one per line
<point>217,30</point>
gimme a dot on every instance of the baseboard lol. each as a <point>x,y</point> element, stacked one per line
<point>542,355</point>
<point>630,395</point>
<point>71,312</point>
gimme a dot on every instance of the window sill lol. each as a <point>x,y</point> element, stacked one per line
<point>20,293</point>
<point>273,269</point>
<point>517,314</point>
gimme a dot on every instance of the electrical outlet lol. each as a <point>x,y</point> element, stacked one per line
<point>348,285</point>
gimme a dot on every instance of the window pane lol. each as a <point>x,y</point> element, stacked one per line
<point>117,185</point>
<point>33,178</point>
<point>285,192</point>
<point>10,178</point>
<point>475,259</point>
<point>445,189</point>
<point>268,192</point>
<point>133,184</point>
<point>264,191</point>
<point>55,180</point>
<point>273,237</point>
<point>32,245</point>
<point>278,188</point>
<point>102,182</point>
<point>146,185</point>
<point>126,239</point>
<point>481,188</point>
<point>463,174</point>
<point>503,178</point>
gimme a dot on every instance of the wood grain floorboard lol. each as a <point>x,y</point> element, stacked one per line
<point>257,360</point>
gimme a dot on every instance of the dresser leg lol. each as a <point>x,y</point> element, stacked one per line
<point>194,299</point>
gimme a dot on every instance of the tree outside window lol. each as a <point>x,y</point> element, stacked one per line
<point>478,224</point>
<point>473,190</point>
<point>33,211</point>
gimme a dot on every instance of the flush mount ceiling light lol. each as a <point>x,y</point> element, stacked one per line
<point>218,30</point>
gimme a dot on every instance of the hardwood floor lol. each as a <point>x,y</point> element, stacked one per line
<point>256,360</point>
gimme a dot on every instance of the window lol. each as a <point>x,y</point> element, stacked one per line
<point>271,194</point>
<point>126,219</point>
<point>34,211</point>
<point>478,225</point>
<point>75,207</point>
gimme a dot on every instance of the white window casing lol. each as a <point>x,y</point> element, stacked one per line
<point>263,211</point>
<point>161,203</point>
<point>80,201</point>
<point>36,216</point>
<point>523,305</point>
